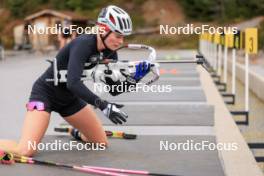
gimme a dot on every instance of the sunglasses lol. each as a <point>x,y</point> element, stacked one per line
<point>35,105</point>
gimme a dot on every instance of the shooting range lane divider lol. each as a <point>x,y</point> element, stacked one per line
<point>246,40</point>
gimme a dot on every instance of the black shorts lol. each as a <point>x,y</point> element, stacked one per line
<point>56,99</point>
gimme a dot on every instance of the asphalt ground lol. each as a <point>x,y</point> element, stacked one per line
<point>181,115</point>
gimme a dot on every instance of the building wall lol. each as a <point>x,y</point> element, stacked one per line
<point>45,41</point>
<point>18,35</point>
<point>42,41</point>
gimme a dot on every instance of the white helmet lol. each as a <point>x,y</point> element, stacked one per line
<point>116,19</point>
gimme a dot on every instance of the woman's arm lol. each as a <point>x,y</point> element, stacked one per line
<point>79,53</point>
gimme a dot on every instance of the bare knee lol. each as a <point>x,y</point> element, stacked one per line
<point>104,143</point>
<point>26,152</point>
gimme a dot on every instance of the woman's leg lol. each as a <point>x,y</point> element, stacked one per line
<point>34,128</point>
<point>87,122</point>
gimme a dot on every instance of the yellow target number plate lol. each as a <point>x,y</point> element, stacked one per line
<point>251,40</point>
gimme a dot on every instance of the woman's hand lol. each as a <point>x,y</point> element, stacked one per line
<point>142,68</point>
<point>113,112</point>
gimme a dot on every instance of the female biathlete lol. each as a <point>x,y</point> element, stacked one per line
<point>71,99</point>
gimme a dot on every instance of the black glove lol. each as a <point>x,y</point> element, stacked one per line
<point>113,112</point>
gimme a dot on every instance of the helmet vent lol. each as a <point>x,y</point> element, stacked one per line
<point>122,11</point>
<point>117,11</point>
<point>116,19</point>
<point>128,23</point>
<point>112,19</point>
<point>124,21</point>
<point>120,23</point>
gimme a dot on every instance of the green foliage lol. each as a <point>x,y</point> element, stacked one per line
<point>58,5</point>
<point>261,36</point>
<point>202,10</point>
<point>138,20</point>
<point>80,5</point>
<point>21,8</point>
<point>16,7</point>
<point>222,10</point>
